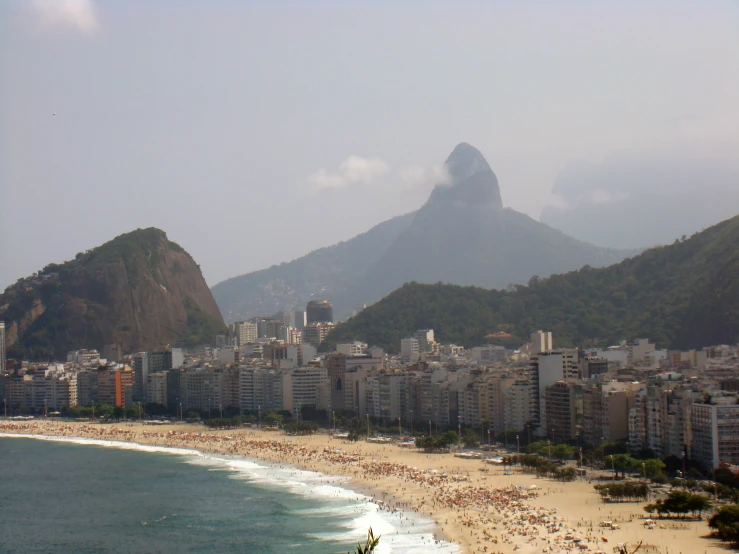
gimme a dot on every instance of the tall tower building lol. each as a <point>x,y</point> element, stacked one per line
<point>541,342</point>
<point>2,347</point>
<point>319,311</point>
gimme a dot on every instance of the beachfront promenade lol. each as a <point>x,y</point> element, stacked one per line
<point>474,504</point>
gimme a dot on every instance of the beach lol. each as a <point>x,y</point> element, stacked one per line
<point>475,505</point>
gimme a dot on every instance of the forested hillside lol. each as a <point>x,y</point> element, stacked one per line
<point>685,295</point>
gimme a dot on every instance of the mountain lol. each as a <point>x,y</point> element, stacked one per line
<point>669,197</point>
<point>685,295</point>
<point>463,235</point>
<point>324,273</point>
<point>140,291</point>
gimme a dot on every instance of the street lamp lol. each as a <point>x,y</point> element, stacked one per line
<point>518,446</point>
<point>429,428</point>
<point>603,452</point>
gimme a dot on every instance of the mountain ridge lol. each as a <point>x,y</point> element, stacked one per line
<point>683,295</point>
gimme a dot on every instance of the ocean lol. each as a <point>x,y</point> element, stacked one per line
<point>94,496</point>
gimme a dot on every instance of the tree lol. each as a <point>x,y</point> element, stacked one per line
<point>698,503</point>
<point>563,452</point>
<point>680,502</point>
<point>725,522</point>
<point>470,439</point>
<point>654,467</point>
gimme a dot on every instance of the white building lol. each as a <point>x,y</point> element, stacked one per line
<point>425,338</point>
<point>355,348</point>
<point>409,350</point>
<point>302,386</point>
<point>520,405</point>
<point>549,367</point>
<point>387,397</point>
<point>541,342</point>
<point>245,332</point>
<point>715,429</point>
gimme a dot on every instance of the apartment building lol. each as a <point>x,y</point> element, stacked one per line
<point>715,433</point>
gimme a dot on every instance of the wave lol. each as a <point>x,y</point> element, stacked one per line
<point>402,531</point>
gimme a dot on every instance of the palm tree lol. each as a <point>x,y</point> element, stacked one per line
<point>370,545</point>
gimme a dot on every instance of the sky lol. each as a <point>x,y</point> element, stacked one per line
<point>255,132</point>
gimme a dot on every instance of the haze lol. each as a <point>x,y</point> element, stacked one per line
<point>254,132</point>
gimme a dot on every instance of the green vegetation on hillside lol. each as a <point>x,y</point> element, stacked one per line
<point>685,295</point>
<point>138,290</point>
<point>201,326</point>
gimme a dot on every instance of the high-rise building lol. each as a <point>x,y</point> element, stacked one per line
<point>112,352</point>
<point>409,350</point>
<point>302,387</point>
<point>315,333</point>
<point>715,429</point>
<point>564,409</point>
<point>140,375</point>
<point>115,386</point>
<point>319,311</point>
<point>547,368</point>
<point>300,319</point>
<point>541,342</point>
<point>2,347</point>
<point>387,397</point>
<point>156,388</point>
<point>245,332</point>
<point>520,405</point>
<point>286,317</point>
<point>425,338</point>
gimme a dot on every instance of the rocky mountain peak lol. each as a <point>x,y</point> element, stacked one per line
<point>471,180</point>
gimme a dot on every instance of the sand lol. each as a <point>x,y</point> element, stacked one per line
<point>474,504</point>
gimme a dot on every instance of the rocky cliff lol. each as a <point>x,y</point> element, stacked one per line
<point>140,291</point>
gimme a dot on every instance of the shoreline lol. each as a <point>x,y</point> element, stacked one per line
<point>473,505</point>
<point>364,492</point>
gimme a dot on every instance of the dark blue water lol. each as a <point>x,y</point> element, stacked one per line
<point>67,497</point>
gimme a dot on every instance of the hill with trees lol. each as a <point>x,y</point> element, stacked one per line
<point>140,291</point>
<point>684,295</point>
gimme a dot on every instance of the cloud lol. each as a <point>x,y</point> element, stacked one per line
<point>80,15</point>
<point>600,196</point>
<point>416,176</point>
<point>355,170</point>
